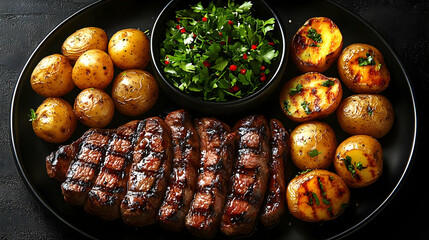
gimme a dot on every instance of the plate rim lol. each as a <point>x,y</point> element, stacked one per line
<point>343,234</point>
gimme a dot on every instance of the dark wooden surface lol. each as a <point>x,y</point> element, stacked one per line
<point>24,24</point>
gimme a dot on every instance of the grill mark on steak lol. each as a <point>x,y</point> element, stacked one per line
<point>148,175</point>
<point>217,147</point>
<point>274,204</point>
<point>109,189</point>
<point>85,166</point>
<point>249,180</point>
<point>180,191</point>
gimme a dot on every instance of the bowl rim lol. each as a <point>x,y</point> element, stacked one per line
<point>277,74</point>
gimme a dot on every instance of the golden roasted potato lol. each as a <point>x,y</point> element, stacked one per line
<point>134,92</point>
<point>313,145</point>
<point>318,195</point>
<point>310,96</point>
<point>359,160</point>
<point>362,69</point>
<point>94,108</point>
<point>369,114</point>
<point>52,77</point>
<point>129,48</point>
<point>316,45</point>
<point>83,40</point>
<point>54,120</point>
<point>93,69</point>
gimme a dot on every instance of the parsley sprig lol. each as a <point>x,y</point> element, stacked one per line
<point>369,60</point>
<point>218,53</point>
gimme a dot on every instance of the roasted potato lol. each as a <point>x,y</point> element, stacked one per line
<point>359,160</point>
<point>362,69</point>
<point>316,45</point>
<point>94,108</point>
<point>313,145</point>
<point>83,40</point>
<point>54,120</point>
<point>134,92</point>
<point>318,195</point>
<point>310,96</point>
<point>129,48</point>
<point>93,69</point>
<point>369,114</point>
<point>52,77</point>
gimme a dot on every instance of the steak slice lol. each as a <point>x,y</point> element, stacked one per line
<point>275,200</point>
<point>149,174</point>
<point>183,177</point>
<point>217,147</point>
<point>109,188</point>
<point>85,166</point>
<point>249,179</point>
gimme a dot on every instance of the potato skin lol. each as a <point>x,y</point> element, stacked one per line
<point>52,77</point>
<point>311,56</point>
<point>55,121</point>
<point>83,40</point>
<point>316,136</point>
<point>318,195</point>
<point>363,79</point>
<point>363,155</point>
<point>321,100</point>
<point>134,92</point>
<point>368,114</point>
<point>94,108</point>
<point>93,69</point>
<point>129,48</point>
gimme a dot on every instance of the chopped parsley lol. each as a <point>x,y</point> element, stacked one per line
<point>359,166</point>
<point>286,107</point>
<point>328,83</point>
<point>314,153</point>
<point>369,60</point>
<point>313,199</point>
<point>313,35</point>
<point>296,90</point>
<point>351,167</point>
<point>32,115</point>
<point>218,53</point>
<point>370,110</point>
<point>306,107</point>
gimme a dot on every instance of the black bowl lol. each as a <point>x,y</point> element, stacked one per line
<point>262,11</point>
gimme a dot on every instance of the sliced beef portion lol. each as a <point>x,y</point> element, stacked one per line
<point>249,179</point>
<point>149,174</point>
<point>85,166</point>
<point>183,177</point>
<point>58,162</point>
<point>274,204</point>
<point>217,147</point>
<point>109,188</point>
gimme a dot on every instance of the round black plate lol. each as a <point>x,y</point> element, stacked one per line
<point>398,145</point>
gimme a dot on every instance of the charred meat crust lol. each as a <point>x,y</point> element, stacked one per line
<point>85,166</point>
<point>148,175</point>
<point>217,147</point>
<point>275,199</point>
<point>180,191</point>
<point>106,195</point>
<point>249,179</point>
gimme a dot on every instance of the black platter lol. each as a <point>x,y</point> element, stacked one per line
<point>398,145</point>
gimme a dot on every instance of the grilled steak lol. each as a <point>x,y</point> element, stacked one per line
<point>183,177</point>
<point>249,179</point>
<point>149,174</point>
<point>274,204</point>
<point>58,162</point>
<point>85,166</point>
<point>217,147</point>
<point>109,188</point>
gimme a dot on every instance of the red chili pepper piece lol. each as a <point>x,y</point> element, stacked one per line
<point>166,62</point>
<point>243,71</point>
<point>254,46</point>
<point>178,26</point>
<point>230,22</point>
<point>204,19</point>
<point>183,30</point>
<point>263,78</point>
<point>262,68</point>
<point>271,43</point>
<point>245,56</point>
<point>233,89</point>
<point>233,67</point>
<point>206,63</point>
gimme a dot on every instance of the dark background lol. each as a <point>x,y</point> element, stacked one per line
<point>24,24</point>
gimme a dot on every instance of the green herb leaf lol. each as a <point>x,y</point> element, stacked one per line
<point>245,7</point>
<point>369,60</point>
<point>316,198</point>
<point>370,110</point>
<point>359,166</point>
<point>32,115</point>
<point>297,89</point>
<point>314,153</point>
<point>306,107</point>
<point>328,83</point>
<point>286,107</point>
<point>350,167</point>
<point>313,35</point>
